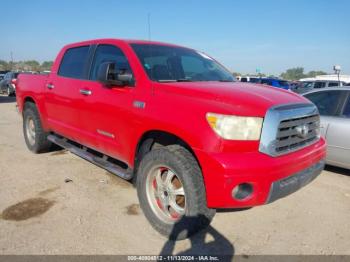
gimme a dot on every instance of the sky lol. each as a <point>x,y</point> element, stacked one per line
<point>272,35</point>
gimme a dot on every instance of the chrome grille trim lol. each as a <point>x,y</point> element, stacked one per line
<point>279,135</point>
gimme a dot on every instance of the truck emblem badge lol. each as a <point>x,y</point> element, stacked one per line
<point>302,131</point>
<point>139,104</point>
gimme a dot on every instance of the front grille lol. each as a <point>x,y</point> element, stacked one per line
<point>288,128</point>
<point>289,139</point>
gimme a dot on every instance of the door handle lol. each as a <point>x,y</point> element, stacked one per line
<point>50,86</point>
<point>85,92</point>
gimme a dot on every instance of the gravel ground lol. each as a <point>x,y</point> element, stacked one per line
<point>57,203</point>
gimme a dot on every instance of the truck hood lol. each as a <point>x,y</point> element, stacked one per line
<point>239,98</point>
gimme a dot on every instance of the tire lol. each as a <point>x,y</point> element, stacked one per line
<point>168,161</point>
<point>8,91</point>
<point>34,135</point>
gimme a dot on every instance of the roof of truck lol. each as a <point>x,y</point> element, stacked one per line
<point>128,41</point>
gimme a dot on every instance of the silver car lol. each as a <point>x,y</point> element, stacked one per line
<point>334,107</point>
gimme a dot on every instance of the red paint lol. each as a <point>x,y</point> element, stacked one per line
<point>176,108</point>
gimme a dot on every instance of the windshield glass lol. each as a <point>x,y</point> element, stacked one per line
<point>308,84</point>
<point>172,64</point>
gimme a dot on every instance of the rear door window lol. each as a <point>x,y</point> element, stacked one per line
<point>74,62</point>
<point>329,102</point>
<point>320,84</point>
<point>330,84</point>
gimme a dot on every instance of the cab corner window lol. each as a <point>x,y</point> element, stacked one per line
<point>74,62</point>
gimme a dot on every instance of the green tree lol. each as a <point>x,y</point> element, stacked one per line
<point>33,65</point>
<point>46,66</point>
<point>293,73</point>
<point>4,65</point>
<point>315,73</point>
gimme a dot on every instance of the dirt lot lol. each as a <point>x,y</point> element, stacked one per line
<point>57,203</point>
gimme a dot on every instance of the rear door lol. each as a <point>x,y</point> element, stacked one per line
<point>338,136</point>
<point>62,92</point>
<point>335,127</point>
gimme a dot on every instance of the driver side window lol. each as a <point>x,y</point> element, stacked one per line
<point>109,53</point>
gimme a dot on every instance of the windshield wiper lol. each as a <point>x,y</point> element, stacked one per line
<point>184,80</point>
<point>174,80</point>
<point>166,80</point>
<point>226,80</point>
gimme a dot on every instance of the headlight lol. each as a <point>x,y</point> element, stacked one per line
<point>235,127</point>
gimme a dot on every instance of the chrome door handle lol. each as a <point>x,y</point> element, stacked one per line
<point>85,92</point>
<point>50,86</point>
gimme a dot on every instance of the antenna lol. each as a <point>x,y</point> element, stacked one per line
<point>149,26</point>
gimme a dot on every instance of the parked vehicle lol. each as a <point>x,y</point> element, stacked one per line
<point>275,82</point>
<point>308,86</point>
<point>334,77</point>
<point>2,74</point>
<point>250,79</point>
<point>175,121</point>
<point>8,84</point>
<point>334,107</point>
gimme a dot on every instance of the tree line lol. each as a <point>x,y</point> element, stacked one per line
<point>29,65</point>
<point>298,73</point>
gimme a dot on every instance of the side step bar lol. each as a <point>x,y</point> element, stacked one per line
<point>87,154</point>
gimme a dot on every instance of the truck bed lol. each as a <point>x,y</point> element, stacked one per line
<point>30,84</point>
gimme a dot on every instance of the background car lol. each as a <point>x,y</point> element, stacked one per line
<point>6,85</point>
<point>250,79</point>
<point>310,85</point>
<point>334,107</point>
<point>279,83</point>
<point>2,74</point>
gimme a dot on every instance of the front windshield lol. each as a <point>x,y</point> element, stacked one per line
<point>177,64</point>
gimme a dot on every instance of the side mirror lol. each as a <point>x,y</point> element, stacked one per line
<point>108,75</point>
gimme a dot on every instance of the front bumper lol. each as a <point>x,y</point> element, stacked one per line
<point>289,185</point>
<point>224,171</point>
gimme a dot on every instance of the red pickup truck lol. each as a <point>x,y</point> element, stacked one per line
<point>176,122</point>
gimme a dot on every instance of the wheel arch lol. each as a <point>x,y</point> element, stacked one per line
<point>155,138</point>
<point>28,99</point>
<point>31,99</point>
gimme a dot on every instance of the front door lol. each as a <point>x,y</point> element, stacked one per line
<point>107,112</point>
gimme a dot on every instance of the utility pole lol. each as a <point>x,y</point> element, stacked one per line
<point>337,70</point>
<point>11,61</point>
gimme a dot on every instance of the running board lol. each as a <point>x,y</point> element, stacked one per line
<point>84,152</point>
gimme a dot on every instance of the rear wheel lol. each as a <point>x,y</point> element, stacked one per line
<point>34,135</point>
<point>171,192</point>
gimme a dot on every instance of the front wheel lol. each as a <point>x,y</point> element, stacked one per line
<point>171,192</point>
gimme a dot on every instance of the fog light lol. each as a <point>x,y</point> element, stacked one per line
<point>242,191</point>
